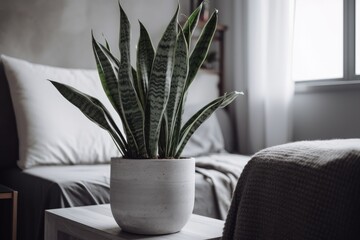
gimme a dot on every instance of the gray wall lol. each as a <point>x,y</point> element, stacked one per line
<point>327,112</point>
<point>58,32</point>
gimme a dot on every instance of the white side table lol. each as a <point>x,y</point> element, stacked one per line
<point>97,223</point>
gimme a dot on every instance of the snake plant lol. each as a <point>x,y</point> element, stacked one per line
<point>150,99</point>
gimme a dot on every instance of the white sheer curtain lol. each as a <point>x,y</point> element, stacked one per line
<point>263,48</point>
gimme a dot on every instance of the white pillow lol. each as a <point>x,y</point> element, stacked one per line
<point>207,139</point>
<point>51,130</point>
<point>204,80</point>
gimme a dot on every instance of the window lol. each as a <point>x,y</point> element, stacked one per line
<point>325,40</point>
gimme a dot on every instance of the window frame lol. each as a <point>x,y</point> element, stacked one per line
<point>349,75</point>
<point>349,41</point>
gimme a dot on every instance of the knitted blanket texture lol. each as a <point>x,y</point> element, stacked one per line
<point>302,190</point>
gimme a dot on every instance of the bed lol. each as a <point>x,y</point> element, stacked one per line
<point>48,185</point>
<point>51,187</point>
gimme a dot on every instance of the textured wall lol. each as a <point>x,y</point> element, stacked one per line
<point>58,32</point>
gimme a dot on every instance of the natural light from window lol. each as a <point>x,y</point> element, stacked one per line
<point>318,40</point>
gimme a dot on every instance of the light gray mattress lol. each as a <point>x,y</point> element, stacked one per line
<point>48,187</point>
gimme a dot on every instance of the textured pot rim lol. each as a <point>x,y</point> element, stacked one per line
<point>152,160</point>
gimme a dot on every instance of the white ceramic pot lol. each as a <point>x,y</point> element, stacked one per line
<point>152,196</point>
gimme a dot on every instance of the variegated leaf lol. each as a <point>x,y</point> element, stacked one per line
<point>129,101</point>
<point>138,88</point>
<point>107,75</point>
<point>163,139</point>
<point>191,23</point>
<point>198,118</point>
<point>201,48</point>
<point>107,45</point>
<point>115,62</point>
<point>109,79</point>
<point>145,59</point>
<point>110,120</point>
<point>134,115</point>
<point>178,81</point>
<point>92,111</point>
<point>177,127</point>
<point>159,85</point>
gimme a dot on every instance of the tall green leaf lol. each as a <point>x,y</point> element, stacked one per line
<point>92,111</point>
<point>191,23</point>
<point>107,65</point>
<point>163,138</point>
<point>110,120</point>
<point>201,48</point>
<point>115,62</point>
<point>177,127</point>
<point>138,88</point>
<point>145,59</point>
<point>198,118</point>
<point>178,81</point>
<point>107,45</point>
<point>159,85</point>
<point>107,75</point>
<point>129,101</point>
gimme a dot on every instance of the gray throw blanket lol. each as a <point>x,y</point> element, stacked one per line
<point>303,190</point>
<point>223,171</point>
